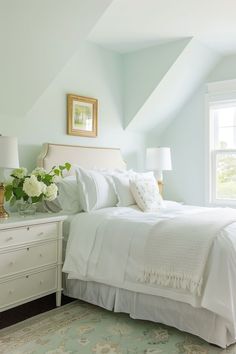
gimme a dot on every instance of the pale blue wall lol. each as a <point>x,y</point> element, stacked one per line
<point>186,137</point>
<point>93,72</point>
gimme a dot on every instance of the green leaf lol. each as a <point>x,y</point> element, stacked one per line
<point>8,193</point>
<point>36,199</point>
<point>57,172</point>
<point>19,193</point>
<point>67,166</point>
<point>47,179</point>
<point>16,182</point>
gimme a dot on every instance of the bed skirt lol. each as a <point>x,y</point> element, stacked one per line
<point>198,321</point>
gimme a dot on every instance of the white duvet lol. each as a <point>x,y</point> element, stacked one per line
<point>107,246</point>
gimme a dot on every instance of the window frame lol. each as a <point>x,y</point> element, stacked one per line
<point>218,94</point>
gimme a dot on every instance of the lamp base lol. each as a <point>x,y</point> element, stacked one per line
<point>161,187</point>
<point>3,213</point>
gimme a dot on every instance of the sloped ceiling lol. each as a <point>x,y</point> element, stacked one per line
<point>37,38</point>
<point>134,24</point>
<point>186,72</point>
<point>143,72</point>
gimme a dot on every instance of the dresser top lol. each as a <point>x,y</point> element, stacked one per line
<point>16,220</point>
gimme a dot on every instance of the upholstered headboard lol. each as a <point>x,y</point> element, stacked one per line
<point>88,157</point>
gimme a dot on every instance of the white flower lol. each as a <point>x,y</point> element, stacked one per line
<point>32,187</point>
<point>51,192</point>
<point>19,172</point>
<point>39,171</point>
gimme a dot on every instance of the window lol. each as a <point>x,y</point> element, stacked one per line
<point>222,151</point>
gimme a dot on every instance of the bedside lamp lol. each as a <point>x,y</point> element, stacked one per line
<point>8,160</point>
<point>158,160</point>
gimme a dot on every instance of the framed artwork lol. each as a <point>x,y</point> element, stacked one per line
<point>81,115</point>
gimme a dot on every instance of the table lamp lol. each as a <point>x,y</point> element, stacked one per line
<point>158,160</point>
<point>8,160</point>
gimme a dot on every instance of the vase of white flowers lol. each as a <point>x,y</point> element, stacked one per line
<point>30,189</point>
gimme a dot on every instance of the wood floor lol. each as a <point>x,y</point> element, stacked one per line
<point>20,313</point>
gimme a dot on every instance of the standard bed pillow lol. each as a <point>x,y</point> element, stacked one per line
<point>146,193</point>
<point>122,187</point>
<point>96,189</point>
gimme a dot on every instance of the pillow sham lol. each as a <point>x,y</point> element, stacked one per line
<point>146,193</point>
<point>68,196</point>
<point>122,187</point>
<point>96,189</point>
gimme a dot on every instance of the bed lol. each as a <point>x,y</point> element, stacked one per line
<point>106,250</point>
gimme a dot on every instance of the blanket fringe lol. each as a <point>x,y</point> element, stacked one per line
<point>174,280</point>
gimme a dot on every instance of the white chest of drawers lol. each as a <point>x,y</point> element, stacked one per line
<point>30,258</point>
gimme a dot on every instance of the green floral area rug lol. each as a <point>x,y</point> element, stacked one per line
<point>83,328</point>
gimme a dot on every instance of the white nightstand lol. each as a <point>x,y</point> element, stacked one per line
<point>30,258</point>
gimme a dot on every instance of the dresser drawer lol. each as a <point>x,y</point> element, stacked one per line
<point>26,234</point>
<point>27,287</point>
<point>27,258</point>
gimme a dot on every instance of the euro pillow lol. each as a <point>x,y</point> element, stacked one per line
<point>96,189</point>
<point>146,193</point>
<point>68,196</point>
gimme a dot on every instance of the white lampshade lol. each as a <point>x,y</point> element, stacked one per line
<point>8,152</point>
<point>158,159</point>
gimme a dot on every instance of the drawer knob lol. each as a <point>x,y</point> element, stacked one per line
<point>27,276</point>
<point>27,248</point>
<point>28,228</point>
<point>12,263</point>
<point>40,234</point>
<point>9,239</point>
<point>40,255</point>
<point>11,292</point>
<point>41,282</point>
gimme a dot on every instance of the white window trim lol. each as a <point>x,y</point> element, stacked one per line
<point>216,92</point>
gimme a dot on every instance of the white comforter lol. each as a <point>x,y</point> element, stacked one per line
<point>107,246</point>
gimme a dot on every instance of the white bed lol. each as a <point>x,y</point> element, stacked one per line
<point>211,316</point>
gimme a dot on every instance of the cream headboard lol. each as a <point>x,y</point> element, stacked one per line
<point>88,157</point>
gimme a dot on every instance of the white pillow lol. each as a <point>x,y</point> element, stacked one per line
<point>122,186</point>
<point>68,196</point>
<point>146,193</point>
<point>96,189</point>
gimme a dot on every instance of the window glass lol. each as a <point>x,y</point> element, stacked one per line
<point>225,127</point>
<point>226,176</point>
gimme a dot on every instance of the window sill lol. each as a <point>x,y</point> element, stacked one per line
<point>228,203</point>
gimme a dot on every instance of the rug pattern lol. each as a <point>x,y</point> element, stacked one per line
<point>83,328</point>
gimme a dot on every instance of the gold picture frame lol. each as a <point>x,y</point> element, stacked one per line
<point>82,115</point>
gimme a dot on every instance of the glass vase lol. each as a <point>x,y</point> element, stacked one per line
<point>26,208</point>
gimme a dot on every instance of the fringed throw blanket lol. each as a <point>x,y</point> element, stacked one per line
<point>176,250</point>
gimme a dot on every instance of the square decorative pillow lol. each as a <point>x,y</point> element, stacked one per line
<point>96,189</point>
<point>146,193</point>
